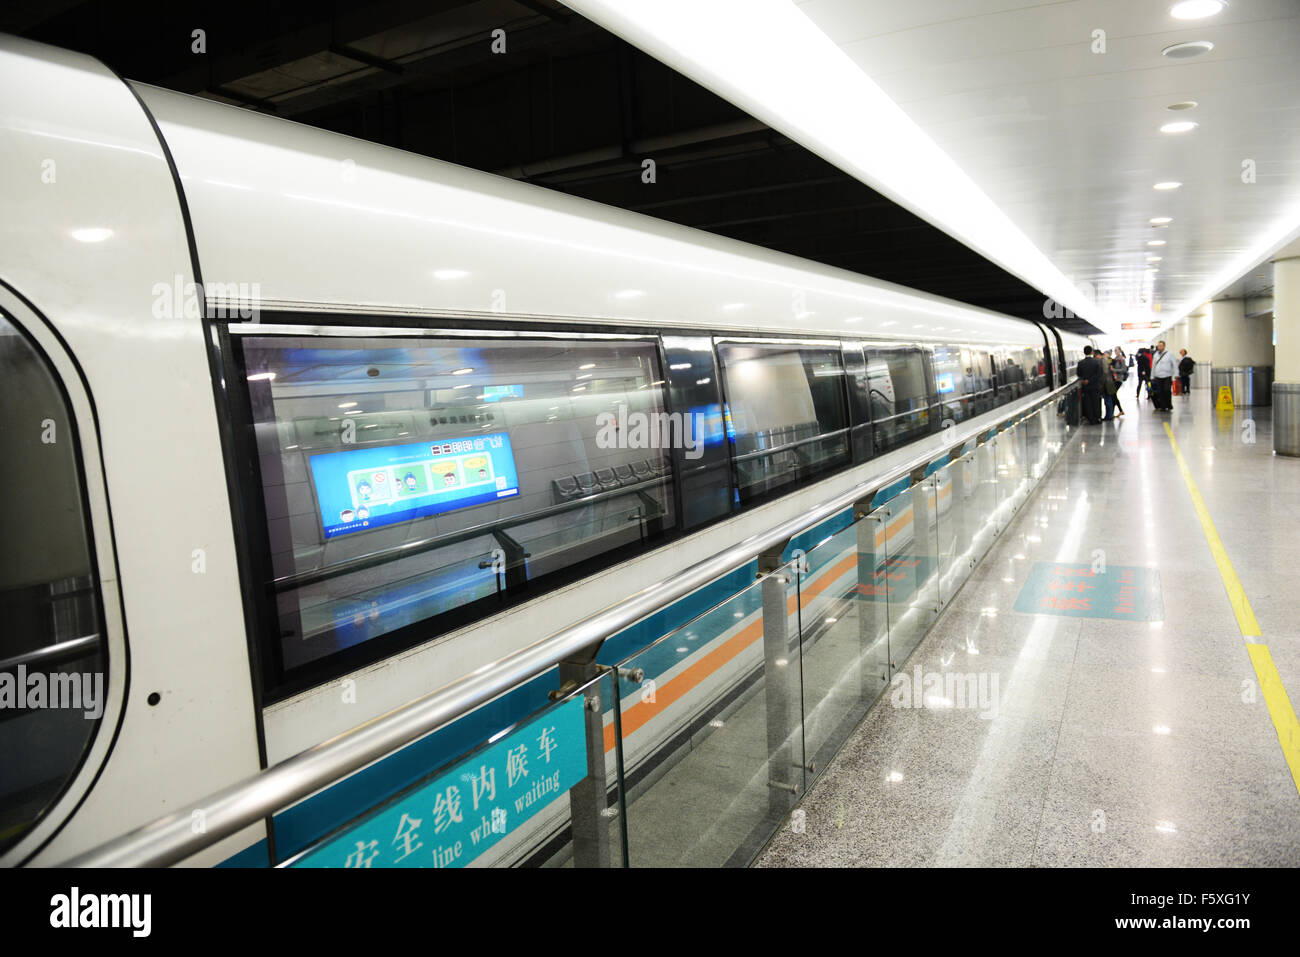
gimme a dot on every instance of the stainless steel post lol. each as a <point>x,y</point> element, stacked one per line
<point>589,822</point>
<point>785,777</point>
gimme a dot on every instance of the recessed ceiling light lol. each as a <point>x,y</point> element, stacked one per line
<point>1155,242</point>
<point>1181,51</point>
<point>1169,185</point>
<point>589,365</point>
<point>1154,259</point>
<point>1182,126</point>
<point>449,274</point>
<point>1160,220</point>
<point>92,234</point>
<point>629,293</point>
<point>1182,105</point>
<point>1195,9</point>
<point>461,371</point>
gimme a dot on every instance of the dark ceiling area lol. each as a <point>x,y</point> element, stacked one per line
<point>566,105</point>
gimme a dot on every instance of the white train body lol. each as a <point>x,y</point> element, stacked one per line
<point>116,194</point>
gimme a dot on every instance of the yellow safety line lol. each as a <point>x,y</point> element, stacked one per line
<point>1270,682</point>
<point>1279,707</point>
<point>1236,594</point>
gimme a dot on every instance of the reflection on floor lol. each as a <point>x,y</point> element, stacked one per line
<point>1093,740</point>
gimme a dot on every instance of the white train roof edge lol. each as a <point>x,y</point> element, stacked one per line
<point>302,218</point>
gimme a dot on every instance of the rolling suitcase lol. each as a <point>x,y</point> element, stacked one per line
<point>1070,404</point>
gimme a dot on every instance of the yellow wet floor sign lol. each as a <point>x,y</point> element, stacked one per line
<point>1225,399</point>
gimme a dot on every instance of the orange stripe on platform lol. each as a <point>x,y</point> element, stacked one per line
<point>677,688</point>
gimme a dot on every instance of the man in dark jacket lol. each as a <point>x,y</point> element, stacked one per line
<point>1186,366</point>
<point>1143,362</point>
<point>1089,373</point>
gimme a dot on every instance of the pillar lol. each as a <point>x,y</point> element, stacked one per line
<point>1177,336</point>
<point>1199,344</point>
<point>1286,385</point>
<point>1243,353</point>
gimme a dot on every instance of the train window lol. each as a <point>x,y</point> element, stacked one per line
<point>786,411</point>
<point>900,396</point>
<point>410,480</point>
<point>52,651</point>
<point>859,384</point>
<point>982,378</point>
<point>1010,375</point>
<point>955,382</point>
<point>1034,364</point>
<point>701,462</point>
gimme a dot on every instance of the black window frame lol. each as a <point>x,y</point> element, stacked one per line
<point>253,530</point>
<point>830,344</point>
<point>874,347</point>
<point>248,506</point>
<point>72,431</point>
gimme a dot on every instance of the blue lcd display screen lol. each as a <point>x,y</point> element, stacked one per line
<point>495,393</point>
<point>944,382</point>
<point>368,488</point>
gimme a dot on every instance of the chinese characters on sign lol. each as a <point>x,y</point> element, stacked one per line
<point>452,819</point>
<point>1123,592</point>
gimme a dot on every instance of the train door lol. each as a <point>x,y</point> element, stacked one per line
<point>63,650</point>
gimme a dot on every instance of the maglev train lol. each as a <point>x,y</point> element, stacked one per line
<point>297,428</point>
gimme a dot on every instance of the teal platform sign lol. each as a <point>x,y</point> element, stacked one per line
<point>449,820</point>
<point>1123,592</point>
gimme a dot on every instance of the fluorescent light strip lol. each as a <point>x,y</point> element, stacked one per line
<point>769,59</point>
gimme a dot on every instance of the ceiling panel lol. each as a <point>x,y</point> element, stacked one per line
<point>1066,141</point>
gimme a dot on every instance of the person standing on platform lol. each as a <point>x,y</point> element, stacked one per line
<point>1143,363</point>
<point>1163,370</point>
<point>1089,372</point>
<point>1108,385</point>
<point>1186,366</point>
<point>1119,371</point>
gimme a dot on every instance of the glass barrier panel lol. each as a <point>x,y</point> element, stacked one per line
<point>711,732</point>
<point>844,635</point>
<point>912,580</point>
<point>1037,439</point>
<point>956,488</point>
<point>984,497</point>
<point>1003,478</point>
<point>1020,462</point>
<point>526,795</point>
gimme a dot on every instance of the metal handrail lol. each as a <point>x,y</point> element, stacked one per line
<point>786,447</point>
<point>68,650</point>
<point>172,839</point>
